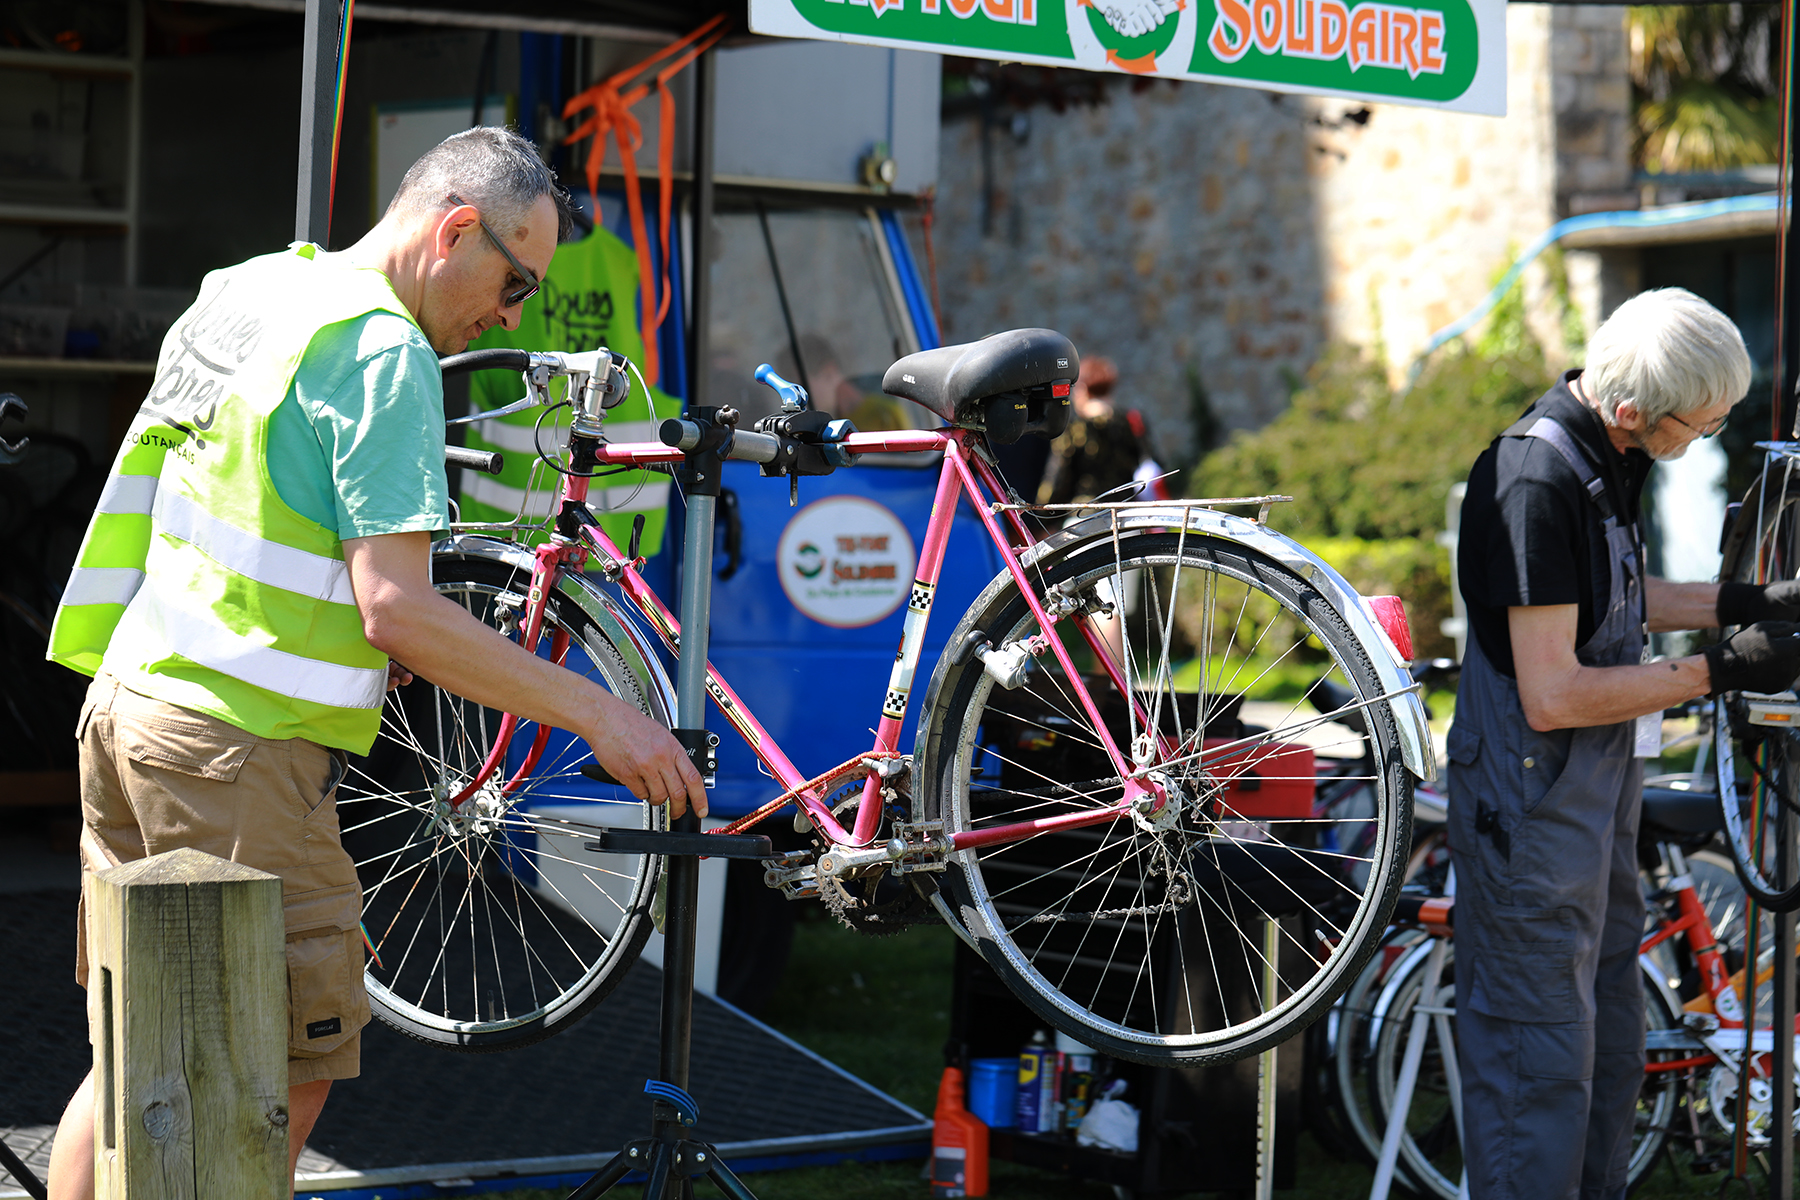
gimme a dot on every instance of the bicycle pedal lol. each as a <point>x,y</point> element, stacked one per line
<point>1779,709</point>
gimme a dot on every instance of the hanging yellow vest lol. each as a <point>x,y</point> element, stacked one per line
<point>196,583</point>
<point>589,300</point>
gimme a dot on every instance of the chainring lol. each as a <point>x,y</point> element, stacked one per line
<point>876,902</point>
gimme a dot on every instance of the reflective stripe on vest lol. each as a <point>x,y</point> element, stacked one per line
<point>154,619</point>
<point>262,560</point>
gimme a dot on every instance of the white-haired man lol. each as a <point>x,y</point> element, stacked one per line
<point>259,568</point>
<point>1544,785</point>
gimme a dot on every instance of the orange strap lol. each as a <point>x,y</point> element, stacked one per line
<point>818,785</point>
<point>612,113</point>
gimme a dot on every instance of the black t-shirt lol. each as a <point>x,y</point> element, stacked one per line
<point>1530,535</point>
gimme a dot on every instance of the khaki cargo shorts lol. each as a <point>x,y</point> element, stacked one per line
<point>156,778</point>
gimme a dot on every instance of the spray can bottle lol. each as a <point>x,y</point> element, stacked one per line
<point>1035,1065</point>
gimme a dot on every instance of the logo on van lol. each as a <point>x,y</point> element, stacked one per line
<point>846,561</point>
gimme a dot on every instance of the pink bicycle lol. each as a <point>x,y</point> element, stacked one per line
<point>1126,835</point>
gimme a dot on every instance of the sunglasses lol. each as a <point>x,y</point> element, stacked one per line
<point>531,283</point>
<point>1710,429</point>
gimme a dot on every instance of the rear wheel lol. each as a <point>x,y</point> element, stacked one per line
<point>1758,761</point>
<point>1144,936</point>
<point>491,925</point>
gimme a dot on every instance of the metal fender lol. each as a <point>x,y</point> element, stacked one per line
<point>1396,683</point>
<point>633,646</point>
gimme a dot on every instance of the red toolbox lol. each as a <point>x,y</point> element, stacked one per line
<point>1262,780</point>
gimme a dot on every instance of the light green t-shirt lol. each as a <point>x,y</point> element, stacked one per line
<point>358,443</point>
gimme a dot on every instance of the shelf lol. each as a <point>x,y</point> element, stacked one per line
<point>56,214</point>
<point>72,64</point>
<point>73,366</point>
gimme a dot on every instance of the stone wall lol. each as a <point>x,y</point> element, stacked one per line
<point>1223,235</point>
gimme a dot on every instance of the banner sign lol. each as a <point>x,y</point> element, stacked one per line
<point>1447,54</point>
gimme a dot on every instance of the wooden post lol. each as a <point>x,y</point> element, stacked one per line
<point>187,995</point>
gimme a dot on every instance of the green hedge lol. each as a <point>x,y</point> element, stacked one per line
<point>1415,569</point>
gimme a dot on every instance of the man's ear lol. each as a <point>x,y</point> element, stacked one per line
<point>1627,416</point>
<point>452,228</point>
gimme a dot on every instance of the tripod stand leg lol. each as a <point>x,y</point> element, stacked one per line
<point>602,1181</point>
<point>728,1183</point>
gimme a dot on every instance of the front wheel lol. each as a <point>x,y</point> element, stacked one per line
<point>491,925</point>
<point>1145,938</point>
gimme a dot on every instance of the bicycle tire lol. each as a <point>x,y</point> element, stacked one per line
<point>1430,1160</point>
<point>1032,906</point>
<point>495,930</point>
<point>1758,766</point>
<point>1350,1048</point>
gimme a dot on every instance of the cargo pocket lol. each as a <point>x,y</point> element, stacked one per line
<point>1524,965</point>
<point>1463,745</point>
<point>327,1003</point>
<point>199,748</point>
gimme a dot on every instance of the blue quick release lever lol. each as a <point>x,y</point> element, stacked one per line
<point>793,396</point>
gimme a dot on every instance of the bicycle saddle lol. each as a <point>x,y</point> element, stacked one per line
<point>1668,811</point>
<point>955,382</point>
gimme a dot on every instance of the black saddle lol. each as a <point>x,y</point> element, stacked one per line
<point>1007,383</point>
<point>1668,811</point>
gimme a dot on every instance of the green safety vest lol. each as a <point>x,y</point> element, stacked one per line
<point>196,583</point>
<point>588,300</point>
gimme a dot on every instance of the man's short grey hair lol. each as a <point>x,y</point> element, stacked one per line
<point>492,168</point>
<point>1670,352</point>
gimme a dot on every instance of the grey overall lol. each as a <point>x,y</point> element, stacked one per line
<point>1543,832</point>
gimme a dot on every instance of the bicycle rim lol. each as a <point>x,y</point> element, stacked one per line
<point>1146,941</point>
<point>492,927</point>
<point>1758,765</point>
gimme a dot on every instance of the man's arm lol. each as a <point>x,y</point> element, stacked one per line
<point>1557,692</point>
<point>405,618</point>
<point>1673,606</point>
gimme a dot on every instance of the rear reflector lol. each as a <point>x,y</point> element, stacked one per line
<point>1059,390</point>
<point>1390,611</point>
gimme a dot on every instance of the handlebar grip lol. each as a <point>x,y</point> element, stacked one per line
<point>498,358</point>
<point>490,462</point>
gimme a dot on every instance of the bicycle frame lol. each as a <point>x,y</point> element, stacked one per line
<point>1729,1038</point>
<point>964,471</point>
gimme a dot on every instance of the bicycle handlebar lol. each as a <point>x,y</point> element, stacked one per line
<point>498,358</point>
<point>490,462</point>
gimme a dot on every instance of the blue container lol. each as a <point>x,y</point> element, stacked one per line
<point>993,1085</point>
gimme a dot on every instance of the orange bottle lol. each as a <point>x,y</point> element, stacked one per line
<point>959,1143</point>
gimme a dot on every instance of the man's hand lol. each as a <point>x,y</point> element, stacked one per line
<point>1134,18</point>
<point>646,758</point>
<point>1747,603</point>
<point>398,676</point>
<point>1762,658</point>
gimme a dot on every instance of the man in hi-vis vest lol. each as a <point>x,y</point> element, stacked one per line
<point>258,570</point>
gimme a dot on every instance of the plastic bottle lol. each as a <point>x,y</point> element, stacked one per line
<point>1077,1089</point>
<point>959,1143</point>
<point>1032,1064</point>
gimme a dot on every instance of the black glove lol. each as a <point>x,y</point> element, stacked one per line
<point>1764,657</point>
<point>1744,603</point>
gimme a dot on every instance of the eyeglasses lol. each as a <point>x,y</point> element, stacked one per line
<point>1710,429</point>
<point>530,283</point>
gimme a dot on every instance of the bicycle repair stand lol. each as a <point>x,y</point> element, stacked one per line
<point>668,1156</point>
